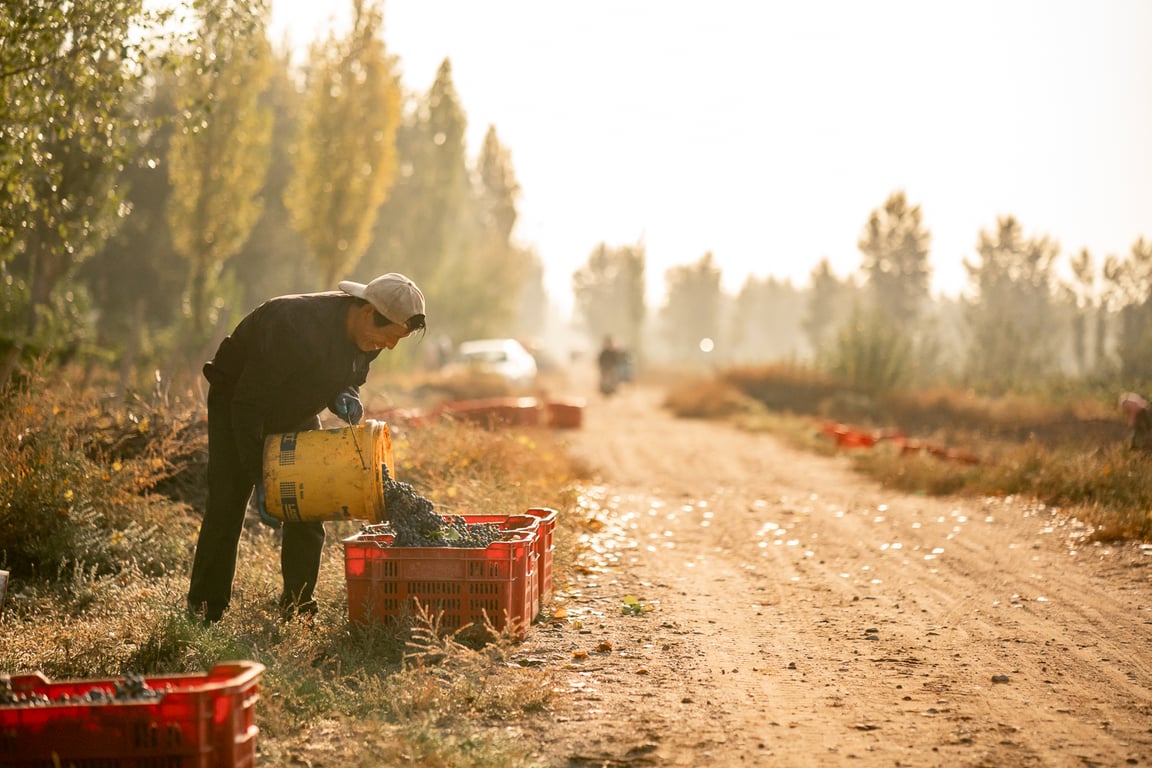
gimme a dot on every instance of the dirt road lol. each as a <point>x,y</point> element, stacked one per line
<point>789,612</point>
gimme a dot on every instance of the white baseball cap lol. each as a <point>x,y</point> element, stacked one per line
<point>393,295</point>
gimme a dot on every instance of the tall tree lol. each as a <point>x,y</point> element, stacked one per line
<point>895,249</point>
<point>894,245</point>
<point>66,70</point>
<point>766,321</point>
<point>345,157</point>
<point>491,271</point>
<point>609,294</point>
<point>830,301</point>
<point>533,314</point>
<point>692,312</point>
<point>218,158</point>
<point>1010,316</point>
<point>429,223</point>
<point>275,260</point>
<point>1131,279</point>
<point>1084,302</point>
<point>499,190</point>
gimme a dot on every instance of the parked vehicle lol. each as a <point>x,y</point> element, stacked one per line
<point>506,358</point>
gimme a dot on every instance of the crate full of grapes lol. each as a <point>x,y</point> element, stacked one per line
<point>475,568</point>
<point>177,721</point>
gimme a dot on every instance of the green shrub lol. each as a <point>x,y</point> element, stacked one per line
<point>871,353</point>
<point>64,500</point>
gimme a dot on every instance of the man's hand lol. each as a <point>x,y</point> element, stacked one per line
<point>348,407</point>
<point>262,508</point>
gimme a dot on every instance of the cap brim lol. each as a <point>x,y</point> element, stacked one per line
<point>353,288</point>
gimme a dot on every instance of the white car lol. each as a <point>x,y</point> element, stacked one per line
<point>506,358</point>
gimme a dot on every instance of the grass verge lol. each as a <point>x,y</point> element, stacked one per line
<point>99,509</point>
<point>1070,454</point>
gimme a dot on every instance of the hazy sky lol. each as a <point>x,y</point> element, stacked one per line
<point>766,132</point>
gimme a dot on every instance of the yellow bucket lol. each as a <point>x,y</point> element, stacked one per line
<point>328,474</point>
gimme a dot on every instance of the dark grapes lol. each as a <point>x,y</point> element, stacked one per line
<point>131,688</point>
<point>415,523</point>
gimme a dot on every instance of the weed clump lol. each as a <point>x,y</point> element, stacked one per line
<point>67,502</point>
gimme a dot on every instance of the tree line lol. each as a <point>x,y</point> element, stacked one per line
<point>1018,324</point>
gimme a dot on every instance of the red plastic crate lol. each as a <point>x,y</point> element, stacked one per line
<point>464,585</point>
<point>544,546</point>
<point>207,721</point>
<point>496,411</point>
<point>564,414</point>
<point>543,521</point>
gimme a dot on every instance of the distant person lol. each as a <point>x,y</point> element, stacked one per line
<point>608,363</point>
<point>285,362</point>
<point>626,369</point>
<point>1139,419</point>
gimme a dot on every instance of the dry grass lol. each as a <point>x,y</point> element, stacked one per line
<point>466,469</point>
<point>1066,453</point>
<point>709,398</point>
<point>98,581</point>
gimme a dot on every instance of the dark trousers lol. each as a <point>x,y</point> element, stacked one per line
<point>229,488</point>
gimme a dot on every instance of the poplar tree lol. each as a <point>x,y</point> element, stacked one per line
<point>766,321</point>
<point>499,190</point>
<point>1081,292</point>
<point>479,285</point>
<point>609,294</point>
<point>1131,281</point>
<point>442,219</point>
<point>894,245</point>
<point>1011,314</point>
<point>430,227</point>
<point>345,155</point>
<point>533,314</point>
<point>495,280</point>
<point>692,311</point>
<point>889,339</point>
<point>830,302</point>
<point>219,155</point>
<point>275,260</point>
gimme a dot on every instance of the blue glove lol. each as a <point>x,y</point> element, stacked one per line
<point>348,407</point>
<point>262,509</point>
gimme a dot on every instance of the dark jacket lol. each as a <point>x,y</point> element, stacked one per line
<point>283,364</point>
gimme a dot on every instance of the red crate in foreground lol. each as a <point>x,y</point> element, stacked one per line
<point>206,721</point>
<point>464,585</point>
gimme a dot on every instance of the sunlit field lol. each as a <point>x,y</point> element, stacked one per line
<point>99,509</point>
<point>1065,451</point>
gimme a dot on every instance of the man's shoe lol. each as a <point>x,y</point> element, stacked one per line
<point>203,613</point>
<point>290,609</point>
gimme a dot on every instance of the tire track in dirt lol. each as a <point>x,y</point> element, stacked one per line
<point>807,616</point>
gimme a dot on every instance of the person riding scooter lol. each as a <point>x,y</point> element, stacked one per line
<point>609,361</point>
